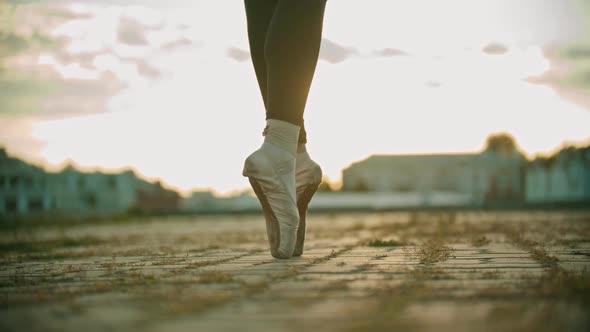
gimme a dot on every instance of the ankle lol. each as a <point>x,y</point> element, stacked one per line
<point>301,148</point>
<point>283,134</point>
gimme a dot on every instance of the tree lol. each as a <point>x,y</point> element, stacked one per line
<point>502,143</point>
<point>325,185</point>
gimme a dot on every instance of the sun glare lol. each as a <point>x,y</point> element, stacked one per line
<point>409,80</point>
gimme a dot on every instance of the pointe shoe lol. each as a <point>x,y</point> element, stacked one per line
<point>271,172</point>
<point>308,178</point>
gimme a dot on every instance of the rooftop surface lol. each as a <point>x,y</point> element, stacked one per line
<point>443,271</point>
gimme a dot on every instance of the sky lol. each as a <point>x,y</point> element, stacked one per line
<point>167,87</point>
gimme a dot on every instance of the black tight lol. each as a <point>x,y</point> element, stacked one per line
<point>285,38</point>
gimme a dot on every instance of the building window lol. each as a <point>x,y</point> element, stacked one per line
<point>11,205</point>
<point>27,182</point>
<point>112,183</point>
<point>12,181</point>
<point>35,205</point>
<point>90,200</point>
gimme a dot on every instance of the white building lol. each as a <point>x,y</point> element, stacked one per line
<point>565,177</point>
<point>199,201</point>
<point>206,201</point>
<point>494,175</point>
<point>94,193</point>
<point>24,189</point>
<point>27,191</point>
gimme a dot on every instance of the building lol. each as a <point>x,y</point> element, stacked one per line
<point>153,197</point>
<point>96,193</point>
<point>564,177</point>
<point>24,188</point>
<point>493,175</point>
<point>206,201</point>
<point>27,191</point>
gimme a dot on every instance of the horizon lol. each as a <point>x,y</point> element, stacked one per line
<point>114,85</point>
<point>335,184</point>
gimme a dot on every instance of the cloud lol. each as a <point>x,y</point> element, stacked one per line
<point>42,75</point>
<point>80,97</point>
<point>55,97</point>
<point>147,70</point>
<point>495,49</point>
<point>391,52</point>
<point>433,84</point>
<point>182,42</point>
<point>26,28</point>
<point>20,96</point>
<point>329,51</point>
<point>85,59</point>
<point>11,44</point>
<point>335,53</point>
<point>569,74</point>
<point>238,54</point>
<point>578,52</point>
<point>131,32</point>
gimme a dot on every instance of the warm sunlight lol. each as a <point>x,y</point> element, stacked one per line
<point>289,165</point>
<point>398,79</point>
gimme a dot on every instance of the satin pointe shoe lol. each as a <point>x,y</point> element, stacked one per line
<point>271,172</point>
<point>308,178</point>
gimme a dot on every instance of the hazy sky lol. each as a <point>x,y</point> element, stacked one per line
<point>168,87</point>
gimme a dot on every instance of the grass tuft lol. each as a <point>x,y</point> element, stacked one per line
<point>480,241</point>
<point>542,257</point>
<point>215,277</point>
<point>430,252</point>
<point>383,243</point>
